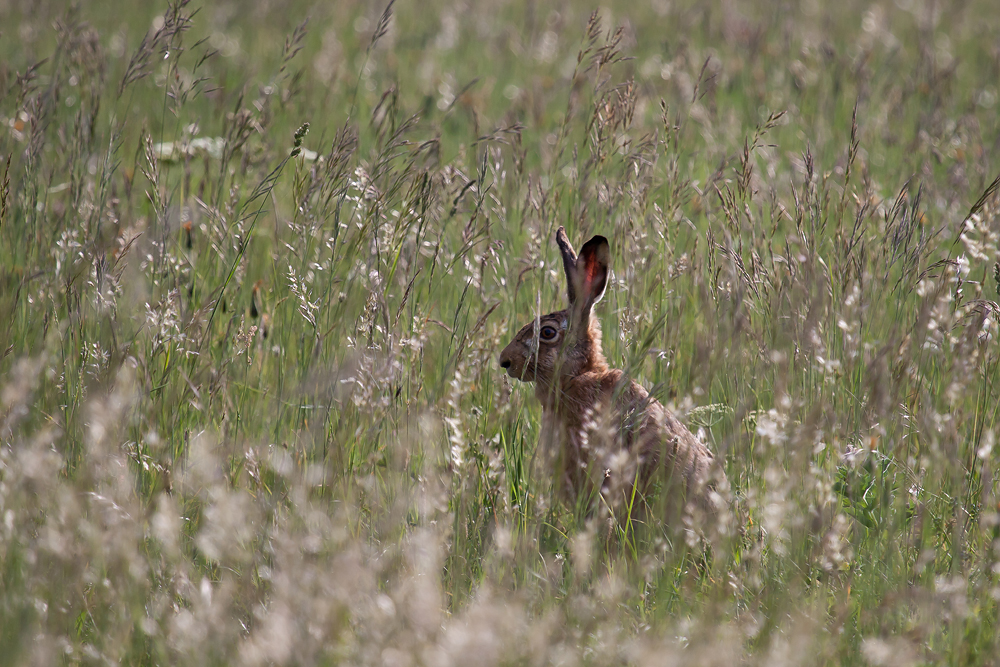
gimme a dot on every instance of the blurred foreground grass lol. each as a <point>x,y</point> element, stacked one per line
<point>249,404</point>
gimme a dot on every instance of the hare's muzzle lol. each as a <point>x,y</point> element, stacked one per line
<point>505,360</point>
<point>510,362</point>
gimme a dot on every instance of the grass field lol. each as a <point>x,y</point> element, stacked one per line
<point>257,263</point>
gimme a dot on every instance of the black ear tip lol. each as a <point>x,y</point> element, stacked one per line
<point>597,244</point>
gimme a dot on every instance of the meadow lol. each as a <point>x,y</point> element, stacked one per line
<point>258,261</point>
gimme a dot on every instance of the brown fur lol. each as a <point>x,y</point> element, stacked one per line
<point>609,431</point>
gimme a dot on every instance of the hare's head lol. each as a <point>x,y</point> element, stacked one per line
<point>566,343</point>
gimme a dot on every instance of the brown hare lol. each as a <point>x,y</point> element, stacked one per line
<point>610,434</point>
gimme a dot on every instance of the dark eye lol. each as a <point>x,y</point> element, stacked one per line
<point>548,333</point>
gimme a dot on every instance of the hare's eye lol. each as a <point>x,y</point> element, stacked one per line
<point>548,333</point>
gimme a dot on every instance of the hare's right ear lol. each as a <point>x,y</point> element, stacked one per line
<point>569,262</point>
<point>586,274</point>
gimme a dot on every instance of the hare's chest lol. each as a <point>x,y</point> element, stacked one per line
<point>588,438</point>
<point>578,472</point>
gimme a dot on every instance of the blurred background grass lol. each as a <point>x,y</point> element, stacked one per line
<point>250,407</point>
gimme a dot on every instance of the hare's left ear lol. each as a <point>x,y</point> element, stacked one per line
<point>592,269</point>
<point>586,274</point>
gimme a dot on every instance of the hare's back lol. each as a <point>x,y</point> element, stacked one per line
<point>686,452</point>
<point>661,438</point>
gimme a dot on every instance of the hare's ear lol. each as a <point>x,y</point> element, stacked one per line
<point>569,263</point>
<point>592,271</point>
<point>586,274</point>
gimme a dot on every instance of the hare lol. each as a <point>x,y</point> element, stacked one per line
<point>588,407</point>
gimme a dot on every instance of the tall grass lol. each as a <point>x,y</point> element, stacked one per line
<point>257,264</point>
